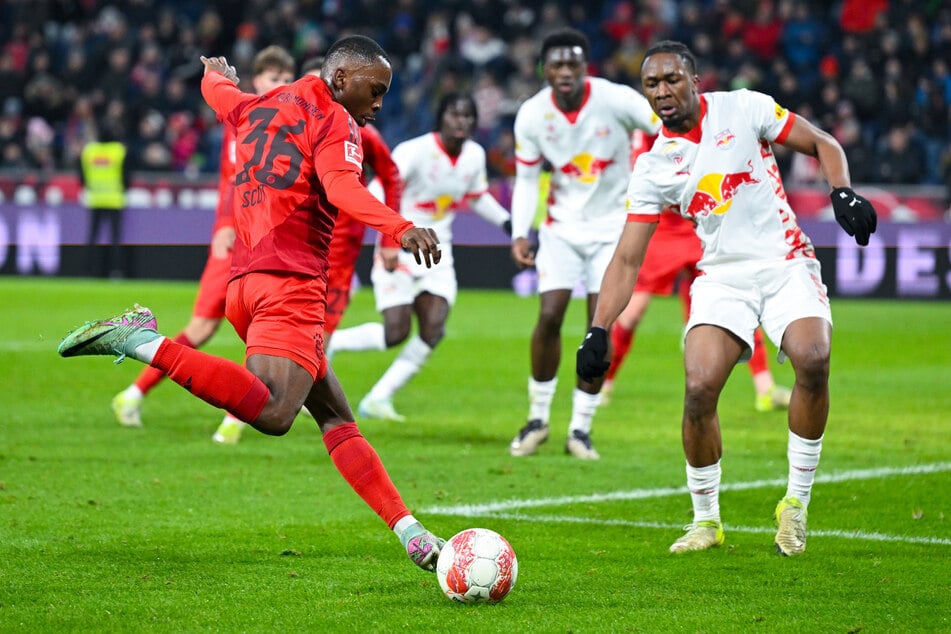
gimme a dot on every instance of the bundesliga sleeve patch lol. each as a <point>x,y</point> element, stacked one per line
<point>780,112</point>
<point>353,153</point>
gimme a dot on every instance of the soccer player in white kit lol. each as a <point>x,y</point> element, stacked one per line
<point>582,126</point>
<point>443,172</point>
<point>713,163</point>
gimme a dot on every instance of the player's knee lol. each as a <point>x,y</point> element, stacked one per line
<point>275,421</point>
<point>700,398</point>
<point>395,334</point>
<point>812,366</point>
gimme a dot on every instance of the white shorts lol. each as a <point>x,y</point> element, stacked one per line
<point>561,262</point>
<point>740,298</point>
<point>400,287</point>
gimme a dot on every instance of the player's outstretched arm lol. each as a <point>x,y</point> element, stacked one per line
<point>854,213</point>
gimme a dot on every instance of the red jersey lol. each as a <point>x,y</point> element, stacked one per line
<point>224,214</point>
<point>295,144</point>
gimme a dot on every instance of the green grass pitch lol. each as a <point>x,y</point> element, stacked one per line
<point>108,529</point>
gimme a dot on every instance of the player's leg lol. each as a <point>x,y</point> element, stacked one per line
<point>360,465</point>
<point>710,352</point>
<point>807,343</point>
<point>545,357</point>
<point>769,396</point>
<point>796,314</point>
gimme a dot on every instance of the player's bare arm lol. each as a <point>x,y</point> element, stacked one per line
<point>222,243</point>
<point>423,244</point>
<point>522,252</point>
<point>806,138</point>
<point>220,65</point>
<point>619,278</point>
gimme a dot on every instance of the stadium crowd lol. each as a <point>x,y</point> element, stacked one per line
<point>873,72</point>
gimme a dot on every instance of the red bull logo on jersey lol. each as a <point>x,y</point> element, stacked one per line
<point>585,167</point>
<point>725,139</point>
<point>439,207</point>
<point>715,192</point>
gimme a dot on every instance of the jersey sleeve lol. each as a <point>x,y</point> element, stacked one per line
<point>340,148</point>
<point>225,98</point>
<point>527,151</point>
<point>643,202</point>
<point>769,119</point>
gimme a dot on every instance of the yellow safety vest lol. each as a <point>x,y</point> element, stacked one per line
<point>102,173</point>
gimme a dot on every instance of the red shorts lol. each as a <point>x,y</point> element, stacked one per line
<point>213,288</point>
<point>282,316</point>
<point>673,251</point>
<point>342,261</point>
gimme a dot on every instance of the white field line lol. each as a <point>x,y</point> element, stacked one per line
<point>503,509</point>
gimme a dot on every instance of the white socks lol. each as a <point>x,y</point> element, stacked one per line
<point>404,367</point>
<point>540,395</point>
<point>704,485</point>
<point>582,411</point>
<point>803,457</point>
<point>146,352</point>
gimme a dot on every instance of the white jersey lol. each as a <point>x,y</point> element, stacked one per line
<point>589,152</point>
<point>436,185</point>
<point>724,177</point>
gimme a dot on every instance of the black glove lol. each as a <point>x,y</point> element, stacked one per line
<point>591,353</point>
<point>854,213</point>
<point>507,228</point>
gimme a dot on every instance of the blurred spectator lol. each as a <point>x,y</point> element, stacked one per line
<point>898,160</point>
<point>136,62</point>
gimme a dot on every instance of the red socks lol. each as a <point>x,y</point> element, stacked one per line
<point>622,339</point>
<point>758,362</point>
<point>217,381</point>
<point>360,466</point>
<point>150,377</point>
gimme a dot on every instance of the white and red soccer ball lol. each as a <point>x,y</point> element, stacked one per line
<point>477,565</point>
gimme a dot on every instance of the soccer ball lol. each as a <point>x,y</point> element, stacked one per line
<point>477,565</point>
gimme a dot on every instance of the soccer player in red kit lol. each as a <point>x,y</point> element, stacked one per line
<point>299,161</point>
<point>273,66</point>
<point>348,232</point>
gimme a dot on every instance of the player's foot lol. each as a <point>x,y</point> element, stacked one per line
<point>421,546</point>
<point>777,398</point>
<point>791,536</point>
<point>606,389</point>
<point>699,536</point>
<point>128,409</point>
<point>579,445</point>
<point>229,431</point>
<point>533,434</point>
<point>119,335</point>
<point>379,408</point>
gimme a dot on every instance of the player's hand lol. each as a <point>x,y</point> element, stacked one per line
<point>591,363</point>
<point>390,257</point>
<point>522,253</point>
<point>423,244</point>
<point>220,65</point>
<point>222,243</point>
<point>854,213</point>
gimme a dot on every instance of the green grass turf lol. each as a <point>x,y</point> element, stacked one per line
<point>104,528</point>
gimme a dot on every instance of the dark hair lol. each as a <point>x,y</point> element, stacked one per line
<point>359,47</point>
<point>312,64</point>
<point>566,37</point>
<point>675,48</point>
<point>273,57</point>
<point>450,98</point>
